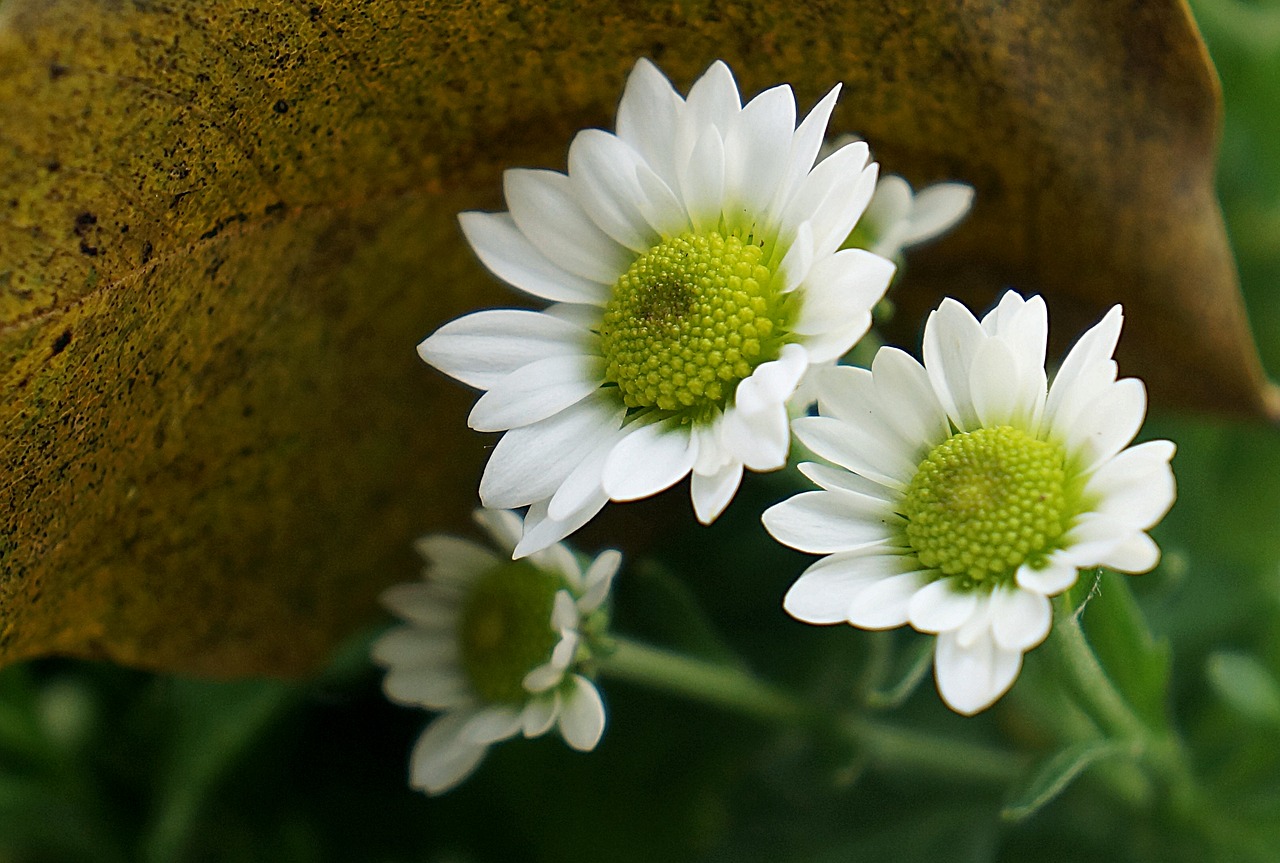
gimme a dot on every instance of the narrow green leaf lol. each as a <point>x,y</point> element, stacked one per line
<point>1246,685</point>
<point>1053,775</point>
<point>909,668</point>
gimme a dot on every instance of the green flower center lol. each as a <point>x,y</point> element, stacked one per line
<point>985,502</point>
<point>690,319</point>
<point>504,631</point>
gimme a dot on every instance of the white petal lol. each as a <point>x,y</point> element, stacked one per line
<point>951,337</point>
<point>805,145</point>
<point>711,493</point>
<point>582,719</point>
<point>564,618</point>
<point>937,208</point>
<point>772,383</point>
<point>503,526</point>
<point>585,482</point>
<point>542,678</point>
<point>822,522</point>
<point>885,604</point>
<point>1136,486</point>
<point>604,173</point>
<point>650,459</point>
<point>713,99</point>
<point>483,348</point>
<point>510,256</point>
<point>796,263</point>
<point>418,604</point>
<point>1093,537</point>
<point>411,647</point>
<point>1020,619</point>
<point>536,392</point>
<point>825,590</point>
<point>598,579</point>
<point>1136,554</point>
<point>1093,351</point>
<point>530,462</point>
<point>540,530</point>
<point>438,688</point>
<point>539,715</point>
<point>454,556</point>
<point>841,290</point>
<point>442,758</point>
<point>939,606</point>
<point>911,406</point>
<point>702,181</point>
<point>993,383</point>
<point>1109,422</point>
<point>491,724</point>
<point>546,211</point>
<point>854,448</point>
<point>830,477</point>
<point>832,197</point>
<point>971,679</point>
<point>1058,574</point>
<point>757,151</point>
<point>647,117</point>
<point>848,394</point>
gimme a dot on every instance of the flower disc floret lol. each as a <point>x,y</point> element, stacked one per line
<point>984,502</point>
<point>688,321</point>
<point>505,632</point>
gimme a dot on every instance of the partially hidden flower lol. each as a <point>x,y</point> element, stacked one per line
<point>962,493</point>
<point>496,645</point>
<point>693,265</point>
<point>899,217</point>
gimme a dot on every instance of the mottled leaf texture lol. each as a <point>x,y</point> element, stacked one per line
<point>224,226</point>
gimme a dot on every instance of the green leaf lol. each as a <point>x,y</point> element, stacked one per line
<point>1248,686</point>
<point>1055,774</point>
<point>1135,659</point>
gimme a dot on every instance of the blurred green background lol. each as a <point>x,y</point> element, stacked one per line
<point>99,763</point>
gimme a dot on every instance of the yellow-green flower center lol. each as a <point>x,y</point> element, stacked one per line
<point>504,630</point>
<point>690,319</point>
<point>984,502</point>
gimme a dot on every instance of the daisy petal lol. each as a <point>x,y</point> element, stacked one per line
<point>442,757</point>
<point>1137,554</point>
<point>937,209</point>
<point>1057,575</point>
<point>483,348</point>
<point>1020,619</point>
<point>650,459</point>
<point>711,493</point>
<point>511,257</point>
<point>939,606</point>
<point>886,603</point>
<point>545,210</point>
<point>825,591</point>
<point>647,114</point>
<point>539,715</point>
<point>530,462</point>
<point>822,522</point>
<point>971,679</point>
<point>536,392</point>
<point>604,174</point>
<point>582,718</point>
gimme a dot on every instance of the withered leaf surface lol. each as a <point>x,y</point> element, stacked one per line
<point>224,227</point>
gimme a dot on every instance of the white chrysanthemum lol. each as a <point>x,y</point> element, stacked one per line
<point>966,492</point>
<point>494,644</point>
<point>693,261</point>
<point>899,217</point>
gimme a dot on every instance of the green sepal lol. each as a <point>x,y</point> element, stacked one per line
<point>1052,776</point>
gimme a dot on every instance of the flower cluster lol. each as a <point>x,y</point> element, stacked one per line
<point>964,492</point>
<point>496,645</point>
<point>702,271</point>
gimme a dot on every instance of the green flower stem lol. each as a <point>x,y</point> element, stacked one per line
<point>1094,690</point>
<point>731,687</point>
<point>1089,682</point>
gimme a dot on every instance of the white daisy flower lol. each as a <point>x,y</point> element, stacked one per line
<point>694,266</point>
<point>898,217</point>
<point>966,492</point>
<point>495,645</point>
